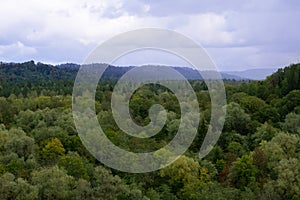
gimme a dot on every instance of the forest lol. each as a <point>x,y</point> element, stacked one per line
<point>42,156</point>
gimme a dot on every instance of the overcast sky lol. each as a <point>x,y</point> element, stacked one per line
<point>237,34</point>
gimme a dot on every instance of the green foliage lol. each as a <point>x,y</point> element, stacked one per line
<point>237,119</point>
<point>235,148</point>
<point>74,166</point>
<point>288,182</point>
<point>52,151</point>
<point>215,154</point>
<point>264,133</point>
<point>16,188</point>
<point>53,183</point>
<point>284,80</point>
<point>107,186</point>
<point>20,144</point>
<point>292,123</point>
<point>42,157</point>
<point>186,176</point>
<point>243,172</point>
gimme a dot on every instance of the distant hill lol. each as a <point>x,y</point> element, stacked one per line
<point>253,74</point>
<point>21,78</point>
<point>193,74</point>
<point>34,72</point>
<point>31,71</point>
<point>115,72</point>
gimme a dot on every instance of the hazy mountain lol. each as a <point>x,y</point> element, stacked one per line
<point>193,74</point>
<point>115,72</point>
<point>253,74</point>
<point>31,71</point>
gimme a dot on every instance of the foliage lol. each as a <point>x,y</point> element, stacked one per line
<point>42,157</point>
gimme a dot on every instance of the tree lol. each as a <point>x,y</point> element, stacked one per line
<point>290,102</point>
<point>7,186</point>
<point>5,113</point>
<point>83,190</point>
<point>74,166</point>
<point>25,190</point>
<point>237,97</point>
<point>282,146</point>
<point>252,104</point>
<point>237,119</point>
<point>227,137</point>
<point>261,163</point>
<point>235,148</point>
<point>19,143</point>
<point>264,132</point>
<point>215,154</point>
<point>53,150</point>
<point>186,176</point>
<point>292,123</point>
<point>53,183</point>
<point>243,172</point>
<point>107,186</point>
<point>286,184</point>
<point>20,189</point>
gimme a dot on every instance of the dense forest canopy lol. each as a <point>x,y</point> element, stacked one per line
<point>42,156</point>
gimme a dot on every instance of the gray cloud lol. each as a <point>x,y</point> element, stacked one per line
<point>237,34</point>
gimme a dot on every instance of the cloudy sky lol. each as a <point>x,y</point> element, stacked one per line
<point>236,34</point>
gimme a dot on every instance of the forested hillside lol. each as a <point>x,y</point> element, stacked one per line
<point>44,78</point>
<point>42,157</point>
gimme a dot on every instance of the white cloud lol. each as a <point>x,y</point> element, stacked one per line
<point>209,29</point>
<point>16,49</point>
<point>64,30</point>
<point>146,8</point>
<point>89,22</point>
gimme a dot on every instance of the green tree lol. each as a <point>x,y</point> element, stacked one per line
<point>74,166</point>
<point>19,189</point>
<point>53,150</point>
<point>237,119</point>
<point>282,146</point>
<point>107,186</point>
<point>235,148</point>
<point>292,123</point>
<point>252,104</point>
<point>83,190</point>
<point>243,172</point>
<point>186,176</point>
<point>19,143</point>
<point>54,183</point>
<point>287,183</point>
<point>264,132</point>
